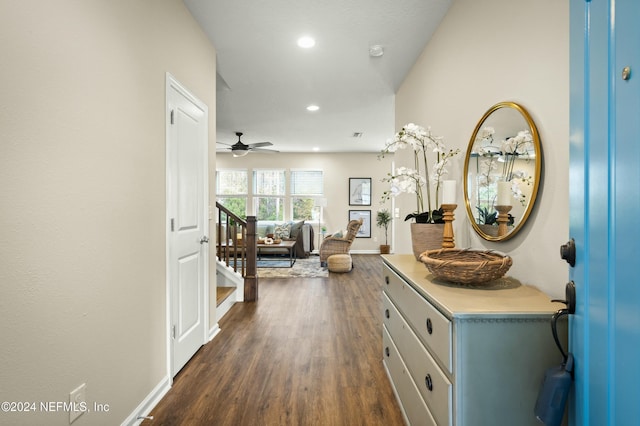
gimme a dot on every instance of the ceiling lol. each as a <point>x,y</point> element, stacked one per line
<point>265,81</point>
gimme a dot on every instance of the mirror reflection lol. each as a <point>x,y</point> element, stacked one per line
<point>502,171</point>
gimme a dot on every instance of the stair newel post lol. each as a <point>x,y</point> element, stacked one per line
<point>251,277</point>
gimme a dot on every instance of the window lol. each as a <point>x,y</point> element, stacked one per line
<point>232,190</point>
<point>306,186</point>
<point>269,194</point>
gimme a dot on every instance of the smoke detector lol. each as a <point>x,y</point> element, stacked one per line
<point>376,50</point>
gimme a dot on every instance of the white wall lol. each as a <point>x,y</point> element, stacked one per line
<point>337,169</point>
<point>82,200</point>
<point>484,53</point>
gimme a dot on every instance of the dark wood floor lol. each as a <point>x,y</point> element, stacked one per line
<point>309,352</point>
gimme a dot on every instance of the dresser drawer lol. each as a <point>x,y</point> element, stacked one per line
<point>410,401</point>
<point>433,328</point>
<point>433,385</point>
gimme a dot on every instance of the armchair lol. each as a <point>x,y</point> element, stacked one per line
<point>339,245</point>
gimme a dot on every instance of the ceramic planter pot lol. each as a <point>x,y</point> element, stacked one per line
<point>426,236</point>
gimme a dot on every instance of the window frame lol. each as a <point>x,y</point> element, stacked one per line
<point>282,197</point>
<point>245,196</point>
<point>315,210</point>
<point>287,197</point>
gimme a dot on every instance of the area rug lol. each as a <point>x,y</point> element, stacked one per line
<point>308,268</point>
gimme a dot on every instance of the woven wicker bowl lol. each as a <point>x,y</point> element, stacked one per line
<point>466,266</point>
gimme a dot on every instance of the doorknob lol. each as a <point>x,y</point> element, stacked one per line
<point>204,239</point>
<point>568,252</point>
<point>570,298</point>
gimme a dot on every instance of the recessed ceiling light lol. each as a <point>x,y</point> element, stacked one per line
<point>313,108</point>
<point>315,148</point>
<point>306,42</point>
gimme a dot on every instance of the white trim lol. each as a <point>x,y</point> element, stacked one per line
<point>226,304</point>
<point>144,408</point>
<point>214,331</point>
<point>233,277</point>
<point>228,276</point>
<point>167,137</point>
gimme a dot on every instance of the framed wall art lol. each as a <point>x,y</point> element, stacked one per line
<point>365,229</point>
<point>359,191</point>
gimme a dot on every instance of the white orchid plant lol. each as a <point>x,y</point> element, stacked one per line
<point>498,161</point>
<point>412,180</point>
<point>506,153</point>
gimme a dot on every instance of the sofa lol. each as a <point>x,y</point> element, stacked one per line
<point>300,232</point>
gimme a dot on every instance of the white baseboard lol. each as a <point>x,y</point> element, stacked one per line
<point>240,291</point>
<point>214,331</point>
<point>147,404</point>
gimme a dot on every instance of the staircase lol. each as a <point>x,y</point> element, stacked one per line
<point>236,275</point>
<point>229,289</point>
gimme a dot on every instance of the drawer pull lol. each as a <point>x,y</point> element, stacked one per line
<point>386,351</point>
<point>429,326</point>
<point>386,313</point>
<point>386,279</point>
<point>429,382</point>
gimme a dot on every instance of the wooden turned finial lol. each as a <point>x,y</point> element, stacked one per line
<point>447,234</point>
<point>503,219</point>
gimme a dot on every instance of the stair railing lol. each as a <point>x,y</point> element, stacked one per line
<point>236,248</point>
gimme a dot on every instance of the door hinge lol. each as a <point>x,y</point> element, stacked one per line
<point>172,111</point>
<point>173,222</point>
<point>173,332</point>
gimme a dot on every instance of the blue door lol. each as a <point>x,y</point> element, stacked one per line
<point>605,211</point>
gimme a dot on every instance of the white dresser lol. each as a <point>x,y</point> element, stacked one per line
<point>464,355</point>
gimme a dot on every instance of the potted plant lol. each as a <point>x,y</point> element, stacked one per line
<point>419,180</point>
<point>383,219</point>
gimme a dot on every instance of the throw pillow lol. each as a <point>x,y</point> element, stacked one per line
<point>338,234</point>
<point>261,230</point>
<point>264,228</point>
<point>282,231</point>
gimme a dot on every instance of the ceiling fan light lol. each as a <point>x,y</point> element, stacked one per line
<point>240,152</point>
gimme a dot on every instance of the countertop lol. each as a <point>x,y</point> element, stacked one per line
<point>505,296</point>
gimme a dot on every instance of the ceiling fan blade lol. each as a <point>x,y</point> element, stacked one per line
<point>259,144</point>
<point>222,143</point>
<point>265,151</point>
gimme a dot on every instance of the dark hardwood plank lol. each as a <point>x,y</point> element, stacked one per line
<point>308,352</point>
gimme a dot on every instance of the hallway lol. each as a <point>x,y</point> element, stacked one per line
<point>309,352</point>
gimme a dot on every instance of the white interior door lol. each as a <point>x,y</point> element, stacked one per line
<point>187,203</point>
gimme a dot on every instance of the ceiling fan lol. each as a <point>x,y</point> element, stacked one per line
<point>240,149</point>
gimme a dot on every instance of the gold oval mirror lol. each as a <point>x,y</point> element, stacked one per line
<point>502,171</point>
